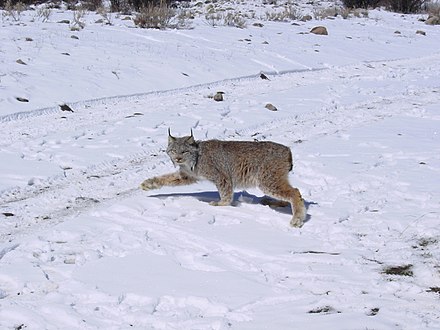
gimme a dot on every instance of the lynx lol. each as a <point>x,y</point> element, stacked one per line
<point>231,164</point>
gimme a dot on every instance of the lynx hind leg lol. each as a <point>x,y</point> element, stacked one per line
<point>172,179</point>
<point>299,213</point>
<point>284,191</point>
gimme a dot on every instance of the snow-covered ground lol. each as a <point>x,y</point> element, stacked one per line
<point>82,247</point>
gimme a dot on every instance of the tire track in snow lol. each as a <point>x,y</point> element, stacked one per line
<point>194,88</point>
<point>111,179</point>
<point>141,96</point>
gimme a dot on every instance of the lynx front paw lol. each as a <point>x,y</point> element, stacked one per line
<point>219,203</point>
<point>150,184</point>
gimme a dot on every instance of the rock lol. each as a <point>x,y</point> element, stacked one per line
<point>433,20</point>
<point>263,76</point>
<point>65,107</point>
<point>320,30</point>
<point>271,107</point>
<point>218,96</point>
<point>423,33</point>
<point>136,114</point>
<point>69,261</point>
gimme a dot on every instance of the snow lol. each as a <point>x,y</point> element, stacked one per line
<point>82,247</point>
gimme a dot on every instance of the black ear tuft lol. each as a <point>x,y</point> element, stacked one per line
<point>191,139</point>
<point>170,137</point>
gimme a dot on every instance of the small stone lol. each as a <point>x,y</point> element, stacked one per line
<point>218,96</point>
<point>65,107</point>
<point>271,107</point>
<point>70,261</point>
<point>263,76</point>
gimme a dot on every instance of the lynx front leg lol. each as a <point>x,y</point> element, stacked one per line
<point>226,192</point>
<point>172,179</point>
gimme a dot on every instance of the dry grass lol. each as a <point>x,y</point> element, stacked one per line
<point>228,18</point>
<point>13,10</point>
<point>433,8</point>
<point>404,270</point>
<point>154,16</point>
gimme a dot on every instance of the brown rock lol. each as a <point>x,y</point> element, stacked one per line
<point>320,30</point>
<point>271,107</point>
<point>433,20</point>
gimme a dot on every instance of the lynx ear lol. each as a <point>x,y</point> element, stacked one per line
<point>191,140</point>
<point>170,137</point>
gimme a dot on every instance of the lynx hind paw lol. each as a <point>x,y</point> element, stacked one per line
<point>298,218</point>
<point>296,222</point>
<point>150,184</point>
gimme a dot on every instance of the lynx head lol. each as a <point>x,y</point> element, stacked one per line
<point>183,151</point>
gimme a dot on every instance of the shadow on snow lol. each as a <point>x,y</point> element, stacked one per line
<point>239,198</point>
